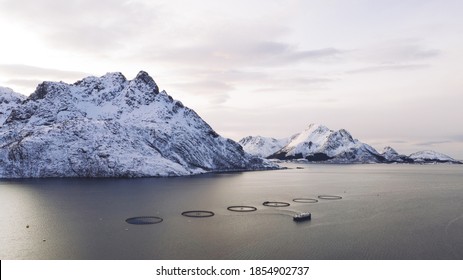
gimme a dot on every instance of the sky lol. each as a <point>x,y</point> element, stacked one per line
<point>389,72</point>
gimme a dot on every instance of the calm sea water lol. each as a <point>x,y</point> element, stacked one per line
<point>386,212</point>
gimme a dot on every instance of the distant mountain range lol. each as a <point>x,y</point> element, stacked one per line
<point>110,127</point>
<point>113,127</point>
<point>318,143</point>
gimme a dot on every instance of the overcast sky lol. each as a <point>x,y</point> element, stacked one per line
<point>390,72</point>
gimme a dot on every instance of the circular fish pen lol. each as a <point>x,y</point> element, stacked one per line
<point>144,220</point>
<point>242,208</point>
<point>275,204</point>
<point>198,214</point>
<point>330,197</point>
<point>305,200</point>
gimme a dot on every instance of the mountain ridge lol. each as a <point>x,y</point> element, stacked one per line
<point>109,126</point>
<point>318,143</point>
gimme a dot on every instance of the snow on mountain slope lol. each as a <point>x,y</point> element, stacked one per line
<point>9,100</point>
<point>431,156</point>
<point>319,143</point>
<point>392,155</point>
<point>419,157</point>
<point>262,146</point>
<point>112,127</point>
<point>389,153</point>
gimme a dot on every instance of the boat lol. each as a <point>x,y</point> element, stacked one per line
<point>302,216</point>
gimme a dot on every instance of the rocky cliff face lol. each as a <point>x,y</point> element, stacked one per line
<point>111,127</point>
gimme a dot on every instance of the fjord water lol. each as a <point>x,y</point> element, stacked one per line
<point>386,212</point>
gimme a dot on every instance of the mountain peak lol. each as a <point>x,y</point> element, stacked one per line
<point>7,95</point>
<point>319,143</point>
<point>389,150</point>
<point>392,155</point>
<point>115,76</point>
<point>317,127</point>
<point>145,78</point>
<point>9,100</point>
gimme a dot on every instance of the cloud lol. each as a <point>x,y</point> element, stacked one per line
<point>215,91</point>
<point>229,75</point>
<point>457,138</point>
<point>398,141</point>
<point>397,55</point>
<point>314,54</point>
<point>140,32</point>
<point>435,142</point>
<point>82,24</point>
<point>219,86</point>
<point>23,71</point>
<point>389,67</point>
<point>23,83</point>
<point>277,53</point>
<point>396,52</point>
<point>451,139</point>
<point>305,85</point>
<point>248,53</point>
<point>25,78</point>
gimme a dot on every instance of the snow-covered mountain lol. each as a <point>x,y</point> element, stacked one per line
<point>392,155</point>
<point>321,144</point>
<point>111,127</point>
<point>419,157</point>
<point>431,156</point>
<point>9,100</point>
<point>318,143</point>
<point>262,146</point>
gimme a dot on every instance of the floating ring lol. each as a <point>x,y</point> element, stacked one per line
<point>242,208</point>
<point>305,200</point>
<point>198,214</point>
<point>275,204</point>
<point>144,220</point>
<point>330,197</point>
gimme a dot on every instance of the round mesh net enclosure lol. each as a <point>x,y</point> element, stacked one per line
<point>305,200</point>
<point>276,204</point>
<point>144,220</point>
<point>330,197</point>
<point>198,214</point>
<point>242,208</point>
